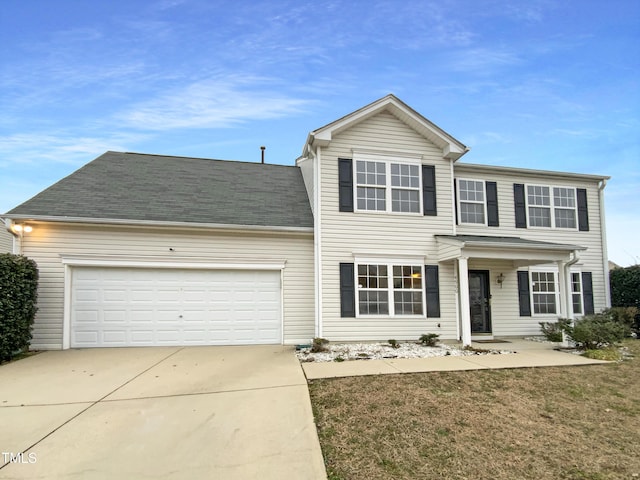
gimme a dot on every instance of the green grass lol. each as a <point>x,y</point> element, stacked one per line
<point>533,423</point>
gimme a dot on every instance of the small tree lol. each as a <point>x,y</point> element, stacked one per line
<point>18,298</point>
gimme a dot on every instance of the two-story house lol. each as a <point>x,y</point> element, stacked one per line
<point>378,232</point>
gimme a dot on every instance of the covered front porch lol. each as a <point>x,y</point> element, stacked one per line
<point>500,280</point>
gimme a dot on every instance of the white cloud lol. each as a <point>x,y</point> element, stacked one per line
<point>58,147</point>
<point>214,103</point>
<point>483,60</point>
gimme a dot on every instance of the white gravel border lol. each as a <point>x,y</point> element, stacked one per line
<point>377,351</point>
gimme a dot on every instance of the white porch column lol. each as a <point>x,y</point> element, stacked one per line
<point>465,314</point>
<point>562,284</point>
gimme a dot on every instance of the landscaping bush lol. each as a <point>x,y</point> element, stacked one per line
<point>552,331</point>
<point>624,315</point>
<point>18,298</point>
<point>596,331</point>
<point>319,345</point>
<point>429,339</point>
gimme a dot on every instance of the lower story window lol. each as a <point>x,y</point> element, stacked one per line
<point>576,293</point>
<point>375,289</point>
<point>543,292</point>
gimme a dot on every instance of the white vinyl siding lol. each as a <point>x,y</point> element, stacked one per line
<point>6,239</point>
<point>307,169</point>
<point>345,234</point>
<point>591,259</point>
<point>49,241</point>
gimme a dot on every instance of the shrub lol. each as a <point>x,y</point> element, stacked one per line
<point>552,331</point>
<point>319,345</point>
<point>394,343</point>
<point>18,298</point>
<point>624,315</point>
<point>429,339</point>
<point>596,331</point>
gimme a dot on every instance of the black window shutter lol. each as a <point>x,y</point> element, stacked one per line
<point>520,205</point>
<point>432,287</point>
<point>583,213</point>
<point>523,294</point>
<point>347,290</point>
<point>587,293</point>
<point>345,184</point>
<point>492,204</point>
<point>429,190</point>
<point>455,199</point>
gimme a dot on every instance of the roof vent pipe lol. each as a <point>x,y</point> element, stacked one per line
<point>263,149</point>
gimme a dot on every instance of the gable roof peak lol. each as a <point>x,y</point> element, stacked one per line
<point>451,148</point>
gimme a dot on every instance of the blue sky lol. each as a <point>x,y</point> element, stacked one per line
<point>537,84</point>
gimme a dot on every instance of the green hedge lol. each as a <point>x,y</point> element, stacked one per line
<point>18,298</point>
<point>625,286</point>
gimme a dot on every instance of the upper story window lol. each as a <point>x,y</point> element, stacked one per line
<point>551,207</point>
<point>388,187</point>
<point>471,201</point>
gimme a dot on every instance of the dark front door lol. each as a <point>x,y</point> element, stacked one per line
<point>479,303</point>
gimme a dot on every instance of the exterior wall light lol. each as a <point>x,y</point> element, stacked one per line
<point>500,279</point>
<point>19,229</point>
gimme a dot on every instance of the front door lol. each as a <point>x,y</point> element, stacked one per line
<point>479,302</point>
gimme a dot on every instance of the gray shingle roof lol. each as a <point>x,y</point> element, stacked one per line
<point>510,241</point>
<point>133,186</point>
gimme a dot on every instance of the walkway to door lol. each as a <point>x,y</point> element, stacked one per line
<point>528,354</point>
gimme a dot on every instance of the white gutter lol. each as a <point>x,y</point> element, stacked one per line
<point>156,223</point>
<point>453,198</point>
<point>605,254</point>
<point>317,237</point>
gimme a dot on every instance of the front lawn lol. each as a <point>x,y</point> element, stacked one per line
<point>535,423</point>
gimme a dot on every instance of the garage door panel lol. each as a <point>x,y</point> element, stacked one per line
<point>138,307</point>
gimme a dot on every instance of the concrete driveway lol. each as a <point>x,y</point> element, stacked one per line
<point>166,413</point>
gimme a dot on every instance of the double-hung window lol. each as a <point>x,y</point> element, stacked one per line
<point>388,186</point>
<point>471,202</point>
<point>576,293</point>
<point>372,185</point>
<point>543,292</point>
<point>390,290</point>
<point>551,207</point>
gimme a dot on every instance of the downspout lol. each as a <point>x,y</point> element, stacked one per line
<point>453,198</point>
<point>317,258</point>
<point>605,254</point>
<point>568,300</point>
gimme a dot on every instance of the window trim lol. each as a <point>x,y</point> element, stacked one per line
<point>484,202</point>
<point>388,188</point>
<point>573,292</point>
<point>552,206</point>
<point>556,292</point>
<point>390,289</point>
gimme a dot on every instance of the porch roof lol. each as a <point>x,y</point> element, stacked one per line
<point>507,248</point>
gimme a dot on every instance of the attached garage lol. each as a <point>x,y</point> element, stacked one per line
<point>118,307</point>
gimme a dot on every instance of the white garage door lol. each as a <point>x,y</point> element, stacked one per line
<point>116,307</point>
